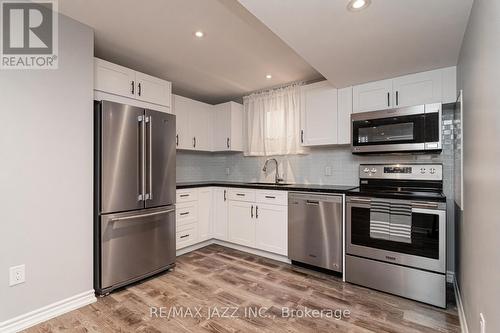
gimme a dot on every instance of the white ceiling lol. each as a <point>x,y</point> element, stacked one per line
<point>387,39</point>
<point>156,37</point>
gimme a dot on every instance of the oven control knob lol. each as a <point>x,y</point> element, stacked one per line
<point>432,171</point>
<point>422,170</point>
<point>366,170</point>
<point>373,170</point>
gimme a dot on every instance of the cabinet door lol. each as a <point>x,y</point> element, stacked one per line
<point>319,114</point>
<point>153,90</point>
<point>204,213</point>
<point>181,111</point>
<point>344,116</point>
<point>372,96</point>
<point>222,127</point>
<point>271,230</point>
<point>114,79</point>
<point>200,125</point>
<point>241,225</point>
<point>236,138</point>
<point>416,89</point>
<point>220,213</point>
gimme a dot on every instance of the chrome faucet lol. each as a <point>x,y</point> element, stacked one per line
<point>277,178</point>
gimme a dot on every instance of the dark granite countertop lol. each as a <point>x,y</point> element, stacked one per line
<point>270,186</point>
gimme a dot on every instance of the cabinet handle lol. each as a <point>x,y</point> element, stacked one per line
<point>256,212</point>
<point>240,194</point>
<point>397,98</point>
<point>185,213</point>
<point>184,236</point>
<point>301,136</point>
<point>388,99</point>
<point>251,212</point>
<point>177,139</point>
<point>227,142</point>
<point>224,195</point>
<point>194,142</point>
<point>133,87</point>
<point>139,89</point>
<point>270,197</point>
<point>184,195</point>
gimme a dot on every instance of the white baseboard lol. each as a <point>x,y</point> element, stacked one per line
<point>257,252</point>
<point>191,248</point>
<point>53,310</point>
<point>460,308</point>
<point>450,276</point>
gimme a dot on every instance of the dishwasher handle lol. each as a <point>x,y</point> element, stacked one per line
<point>312,202</point>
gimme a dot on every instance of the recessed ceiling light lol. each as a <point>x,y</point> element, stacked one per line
<point>199,34</point>
<point>356,5</point>
<point>269,76</point>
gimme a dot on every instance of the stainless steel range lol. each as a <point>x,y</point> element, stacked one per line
<point>396,231</point>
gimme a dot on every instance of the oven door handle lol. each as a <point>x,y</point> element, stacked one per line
<point>359,200</point>
<point>431,205</point>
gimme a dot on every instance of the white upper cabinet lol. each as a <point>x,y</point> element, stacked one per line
<point>228,127</point>
<point>318,114</point>
<point>124,82</point>
<point>415,89</point>
<point>153,90</point>
<point>344,116</point>
<point>372,96</point>
<point>194,124</point>
<point>114,79</point>
<point>437,86</point>
<point>325,115</point>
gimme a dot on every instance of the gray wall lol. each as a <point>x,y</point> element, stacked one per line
<point>46,176</point>
<point>479,227</point>
<point>310,168</point>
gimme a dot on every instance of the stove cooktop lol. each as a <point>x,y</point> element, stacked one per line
<point>398,193</point>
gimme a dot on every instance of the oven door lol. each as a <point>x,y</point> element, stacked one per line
<point>404,129</point>
<point>427,249</point>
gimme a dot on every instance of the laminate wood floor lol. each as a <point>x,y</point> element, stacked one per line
<point>231,286</point>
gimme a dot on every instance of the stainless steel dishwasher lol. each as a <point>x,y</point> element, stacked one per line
<point>315,229</point>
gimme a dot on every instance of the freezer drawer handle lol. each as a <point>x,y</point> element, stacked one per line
<point>142,215</point>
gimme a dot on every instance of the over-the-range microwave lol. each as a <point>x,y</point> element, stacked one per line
<point>407,129</point>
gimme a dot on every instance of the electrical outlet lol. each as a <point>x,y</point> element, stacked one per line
<point>328,171</point>
<point>482,323</point>
<point>17,275</point>
<point>228,171</point>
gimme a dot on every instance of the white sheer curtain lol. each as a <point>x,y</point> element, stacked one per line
<point>272,122</point>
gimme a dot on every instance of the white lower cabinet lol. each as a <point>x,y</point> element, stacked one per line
<point>220,210</point>
<point>271,228</point>
<point>253,218</point>
<point>241,223</point>
<point>204,213</point>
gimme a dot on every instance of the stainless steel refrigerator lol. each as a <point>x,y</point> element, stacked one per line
<point>134,221</point>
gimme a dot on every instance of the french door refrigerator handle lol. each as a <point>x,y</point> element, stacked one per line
<point>142,139</point>
<point>149,120</point>
<point>142,215</point>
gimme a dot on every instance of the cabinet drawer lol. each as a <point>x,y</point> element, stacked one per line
<point>185,236</point>
<point>272,197</point>
<point>187,195</point>
<point>186,213</point>
<point>241,194</point>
